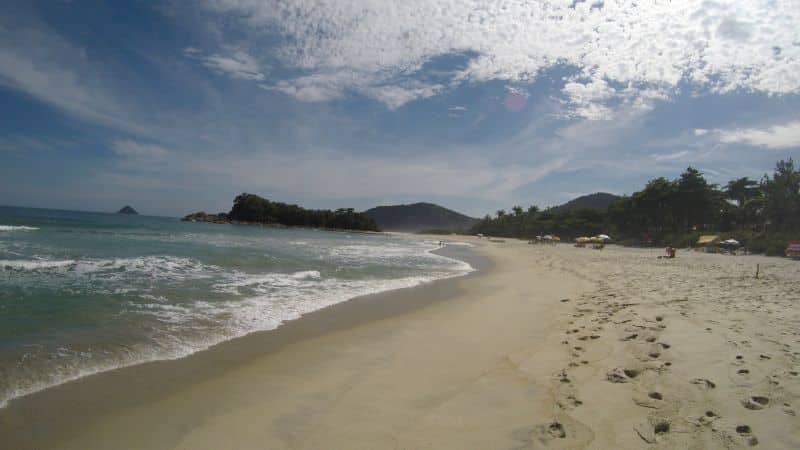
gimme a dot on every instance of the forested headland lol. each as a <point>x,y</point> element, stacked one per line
<point>250,208</point>
<point>762,214</point>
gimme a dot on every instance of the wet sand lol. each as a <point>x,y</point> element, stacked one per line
<point>545,347</point>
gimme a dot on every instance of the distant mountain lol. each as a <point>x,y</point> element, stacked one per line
<point>127,210</point>
<point>598,200</point>
<point>417,217</point>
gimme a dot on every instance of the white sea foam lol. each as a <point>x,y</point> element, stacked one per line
<point>22,264</point>
<point>17,228</point>
<point>152,266</point>
<point>459,244</point>
<point>256,302</point>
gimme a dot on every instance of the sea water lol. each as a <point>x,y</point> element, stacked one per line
<point>85,292</point>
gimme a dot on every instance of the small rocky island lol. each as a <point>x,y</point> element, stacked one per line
<point>127,210</point>
<point>252,209</point>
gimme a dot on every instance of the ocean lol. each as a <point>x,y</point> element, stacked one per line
<point>82,292</point>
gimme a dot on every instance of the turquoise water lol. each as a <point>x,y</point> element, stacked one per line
<point>86,292</point>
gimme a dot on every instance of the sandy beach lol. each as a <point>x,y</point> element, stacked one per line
<point>543,347</point>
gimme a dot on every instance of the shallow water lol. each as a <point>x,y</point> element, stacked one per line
<point>86,292</point>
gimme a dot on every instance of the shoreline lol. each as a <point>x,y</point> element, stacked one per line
<point>454,253</point>
<point>546,347</point>
<point>21,416</point>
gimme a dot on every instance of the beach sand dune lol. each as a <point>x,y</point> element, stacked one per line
<point>550,347</point>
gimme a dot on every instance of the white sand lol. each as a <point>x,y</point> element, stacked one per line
<point>555,347</point>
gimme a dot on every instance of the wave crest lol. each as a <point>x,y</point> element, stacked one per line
<point>17,228</point>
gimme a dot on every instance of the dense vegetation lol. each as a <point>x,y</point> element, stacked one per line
<point>419,216</point>
<point>252,208</point>
<point>761,214</point>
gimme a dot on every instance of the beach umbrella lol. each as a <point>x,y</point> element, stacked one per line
<point>604,237</point>
<point>731,242</point>
<point>547,237</point>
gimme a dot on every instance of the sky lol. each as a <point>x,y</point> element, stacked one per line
<point>178,106</point>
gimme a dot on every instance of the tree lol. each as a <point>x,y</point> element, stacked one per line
<point>697,201</point>
<point>782,196</point>
<point>252,208</point>
<point>747,195</point>
<point>666,211</point>
<point>741,190</point>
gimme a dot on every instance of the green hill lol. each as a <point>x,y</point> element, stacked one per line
<point>252,209</point>
<point>598,200</point>
<point>418,216</point>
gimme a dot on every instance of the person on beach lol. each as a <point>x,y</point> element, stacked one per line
<point>670,252</point>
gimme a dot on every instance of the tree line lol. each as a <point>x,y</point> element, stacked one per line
<point>252,208</point>
<point>763,214</point>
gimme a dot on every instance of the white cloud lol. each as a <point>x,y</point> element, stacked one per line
<point>586,98</point>
<point>395,96</point>
<point>236,63</point>
<point>648,46</point>
<point>457,108</point>
<point>670,156</point>
<point>776,137</point>
<point>137,150</point>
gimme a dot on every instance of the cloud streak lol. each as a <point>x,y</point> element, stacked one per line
<point>136,150</point>
<point>236,63</point>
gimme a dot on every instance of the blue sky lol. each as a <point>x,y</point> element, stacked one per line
<point>178,106</point>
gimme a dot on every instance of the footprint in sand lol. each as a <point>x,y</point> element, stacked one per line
<point>702,382</point>
<point>556,430</point>
<point>569,402</point>
<point>745,432</point>
<point>755,402</point>
<point>618,375</point>
<point>649,432</point>
<point>708,418</point>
